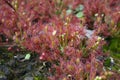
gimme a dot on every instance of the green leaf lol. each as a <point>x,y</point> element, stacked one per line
<point>79,14</point>
<point>58,12</point>
<point>80,8</point>
<point>69,11</point>
<point>107,62</point>
<point>27,57</point>
<point>118,24</point>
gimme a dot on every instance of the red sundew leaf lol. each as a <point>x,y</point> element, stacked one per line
<point>36,40</point>
<point>93,68</point>
<point>10,48</point>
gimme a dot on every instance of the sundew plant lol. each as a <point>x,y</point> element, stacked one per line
<point>69,34</point>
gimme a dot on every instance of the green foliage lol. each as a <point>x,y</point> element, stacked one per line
<point>80,8</point>
<point>40,78</point>
<point>27,56</point>
<point>79,14</point>
<point>79,11</point>
<point>114,49</point>
<point>114,45</point>
<point>98,78</point>
<point>107,62</point>
<point>69,11</point>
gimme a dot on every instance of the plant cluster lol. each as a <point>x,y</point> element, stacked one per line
<point>69,34</point>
